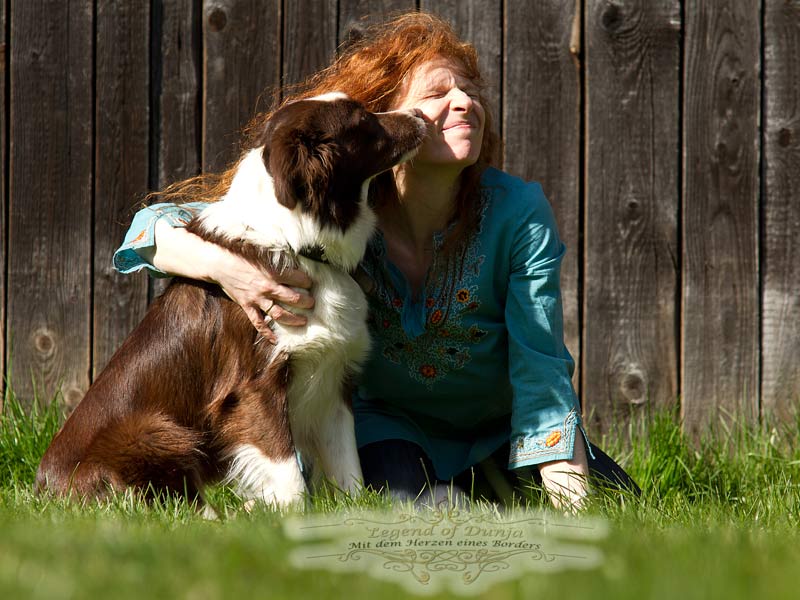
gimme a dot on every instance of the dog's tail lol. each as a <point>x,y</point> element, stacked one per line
<point>149,452</point>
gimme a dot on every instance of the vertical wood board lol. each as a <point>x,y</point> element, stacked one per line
<point>780,387</point>
<point>3,196</point>
<point>356,13</point>
<point>121,171</point>
<point>309,38</point>
<point>50,204</point>
<point>632,198</point>
<point>720,323</point>
<point>177,79</point>
<point>241,47</point>
<point>177,94</point>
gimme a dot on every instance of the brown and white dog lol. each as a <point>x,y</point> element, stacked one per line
<point>191,397</point>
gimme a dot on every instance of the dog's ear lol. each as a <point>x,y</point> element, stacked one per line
<point>265,140</point>
<point>301,165</point>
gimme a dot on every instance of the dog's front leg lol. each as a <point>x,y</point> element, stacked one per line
<point>337,449</point>
<point>255,429</point>
<point>276,482</point>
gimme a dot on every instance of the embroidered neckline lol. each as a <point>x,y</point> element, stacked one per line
<point>450,294</point>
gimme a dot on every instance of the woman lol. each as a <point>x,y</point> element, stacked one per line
<point>468,384</point>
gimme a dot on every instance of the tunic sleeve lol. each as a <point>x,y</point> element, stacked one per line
<point>141,234</point>
<point>545,410</point>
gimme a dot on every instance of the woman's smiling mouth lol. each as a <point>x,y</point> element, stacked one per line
<point>459,124</point>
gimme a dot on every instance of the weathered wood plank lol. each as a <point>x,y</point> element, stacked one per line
<point>241,70</point>
<point>352,12</point>
<point>309,38</point>
<point>178,91</point>
<point>3,198</point>
<point>720,213</point>
<point>177,95</point>
<point>479,22</point>
<point>632,198</point>
<point>121,170</point>
<point>541,127</point>
<point>780,387</point>
<point>50,201</point>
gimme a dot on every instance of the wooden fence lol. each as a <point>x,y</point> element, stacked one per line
<point>666,134</point>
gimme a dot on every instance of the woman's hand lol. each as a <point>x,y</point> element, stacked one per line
<point>566,480</point>
<point>257,290</point>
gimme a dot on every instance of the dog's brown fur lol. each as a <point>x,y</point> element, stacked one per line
<point>178,421</point>
<point>194,383</point>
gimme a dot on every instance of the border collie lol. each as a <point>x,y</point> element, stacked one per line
<point>192,397</point>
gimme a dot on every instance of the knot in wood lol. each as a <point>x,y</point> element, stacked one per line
<point>217,20</point>
<point>634,387</point>
<point>784,137</point>
<point>43,342</point>
<point>612,18</point>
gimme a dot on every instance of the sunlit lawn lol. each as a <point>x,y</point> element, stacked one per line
<point>716,520</point>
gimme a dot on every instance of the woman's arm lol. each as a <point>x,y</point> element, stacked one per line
<point>179,252</point>
<point>545,420</point>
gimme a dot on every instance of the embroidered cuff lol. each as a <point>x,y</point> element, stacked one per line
<point>555,444</point>
<point>141,234</point>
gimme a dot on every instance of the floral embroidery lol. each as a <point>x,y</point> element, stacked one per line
<point>452,295</point>
<point>529,446</point>
<point>427,371</point>
<point>553,439</point>
<point>139,237</point>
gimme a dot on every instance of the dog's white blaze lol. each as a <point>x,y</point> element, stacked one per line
<point>279,483</point>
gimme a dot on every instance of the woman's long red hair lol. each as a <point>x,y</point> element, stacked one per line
<point>371,69</point>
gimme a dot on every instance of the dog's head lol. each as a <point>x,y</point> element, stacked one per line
<point>322,152</point>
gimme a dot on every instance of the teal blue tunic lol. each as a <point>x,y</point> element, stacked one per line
<point>477,360</point>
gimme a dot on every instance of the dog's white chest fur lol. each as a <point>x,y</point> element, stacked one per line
<point>333,345</point>
<point>336,332</point>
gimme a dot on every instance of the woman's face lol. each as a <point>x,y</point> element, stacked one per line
<point>449,102</point>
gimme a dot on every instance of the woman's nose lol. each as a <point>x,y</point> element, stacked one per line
<point>461,100</point>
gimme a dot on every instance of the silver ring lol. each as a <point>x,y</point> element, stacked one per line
<point>269,321</point>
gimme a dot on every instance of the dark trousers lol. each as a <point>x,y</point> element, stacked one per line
<point>403,470</point>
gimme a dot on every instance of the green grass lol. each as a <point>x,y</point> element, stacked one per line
<point>716,520</point>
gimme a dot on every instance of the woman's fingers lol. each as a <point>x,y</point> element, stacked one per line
<point>256,317</point>
<point>294,278</point>
<point>285,317</point>
<point>290,297</point>
<point>267,297</point>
